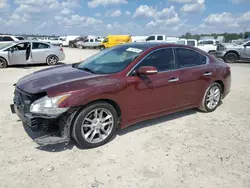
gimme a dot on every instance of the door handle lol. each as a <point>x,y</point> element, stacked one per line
<point>173,80</point>
<point>207,73</point>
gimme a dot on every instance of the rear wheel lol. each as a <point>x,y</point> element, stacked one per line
<point>52,60</point>
<point>95,125</point>
<point>231,57</point>
<point>3,63</point>
<point>212,98</point>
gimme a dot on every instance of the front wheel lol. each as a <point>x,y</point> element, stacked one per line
<point>95,125</point>
<point>3,63</point>
<point>231,57</point>
<point>102,47</point>
<point>212,98</point>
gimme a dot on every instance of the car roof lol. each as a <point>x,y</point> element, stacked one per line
<point>148,45</point>
<point>22,41</point>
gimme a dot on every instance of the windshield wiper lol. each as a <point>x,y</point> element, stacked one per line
<point>87,70</point>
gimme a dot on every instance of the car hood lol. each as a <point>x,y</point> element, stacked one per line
<point>230,45</point>
<point>59,76</point>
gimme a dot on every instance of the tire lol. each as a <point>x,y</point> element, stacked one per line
<point>82,135</point>
<point>216,99</point>
<point>52,60</point>
<point>231,57</point>
<point>80,46</point>
<point>3,63</point>
<point>102,47</point>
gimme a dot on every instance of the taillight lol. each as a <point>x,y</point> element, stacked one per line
<point>61,49</point>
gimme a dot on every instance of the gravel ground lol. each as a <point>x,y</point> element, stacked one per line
<point>186,149</point>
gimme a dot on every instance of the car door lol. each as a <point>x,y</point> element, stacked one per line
<point>17,54</point>
<point>156,93</point>
<point>195,75</point>
<point>86,43</point>
<point>39,52</point>
<point>246,51</point>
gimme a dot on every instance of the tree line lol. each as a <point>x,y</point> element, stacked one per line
<point>228,36</point>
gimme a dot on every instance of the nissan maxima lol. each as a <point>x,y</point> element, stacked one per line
<point>118,87</point>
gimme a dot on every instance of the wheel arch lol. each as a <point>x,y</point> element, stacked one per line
<point>233,51</point>
<point>5,60</point>
<point>221,84</point>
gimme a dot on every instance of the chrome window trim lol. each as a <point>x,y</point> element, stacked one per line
<point>174,53</point>
<point>163,48</point>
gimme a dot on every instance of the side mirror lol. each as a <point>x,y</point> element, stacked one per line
<point>11,50</point>
<point>147,70</point>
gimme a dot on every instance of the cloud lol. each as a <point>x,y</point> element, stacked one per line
<point>162,18</point>
<point>218,19</point>
<point>66,11</point>
<point>183,1</point>
<point>145,11</point>
<point>198,6</point>
<point>240,1</point>
<point>98,14</point>
<point>128,13</point>
<point>96,3</point>
<point>224,22</point>
<point>3,4</point>
<point>113,13</point>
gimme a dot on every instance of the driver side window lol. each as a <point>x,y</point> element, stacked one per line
<point>19,47</point>
<point>162,60</point>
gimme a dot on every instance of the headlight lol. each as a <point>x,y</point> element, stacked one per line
<point>48,106</point>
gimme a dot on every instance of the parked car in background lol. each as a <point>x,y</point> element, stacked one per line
<point>29,52</point>
<point>89,43</point>
<point>74,43</point>
<point>116,88</point>
<point>208,45</point>
<point>114,40</point>
<point>44,39</point>
<point>161,38</point>
<point>8,38</point>
<point>61,39</point>
<point>20,37</point>
<point>65,41</point>
<point>138,38</point>
<point>189,42</point>
<point>231,53</point>
<point>55,41</point>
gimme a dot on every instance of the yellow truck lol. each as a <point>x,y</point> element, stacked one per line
<point>113,40</point>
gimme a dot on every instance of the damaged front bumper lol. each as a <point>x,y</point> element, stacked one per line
<point>53,130</point>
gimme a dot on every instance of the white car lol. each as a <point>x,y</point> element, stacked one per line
<point>8,38</point>
<point>208,45</point>
<point>29,52</point>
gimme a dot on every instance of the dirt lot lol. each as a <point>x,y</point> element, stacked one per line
<point>186,149</point>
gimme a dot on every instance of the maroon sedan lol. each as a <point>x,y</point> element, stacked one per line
<point>116,88</point>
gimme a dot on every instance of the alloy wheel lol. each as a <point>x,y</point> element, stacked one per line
<point>213,97</point>
<point>97,125</point>
<point>52,60</point>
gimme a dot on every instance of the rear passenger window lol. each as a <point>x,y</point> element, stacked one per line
<point>162,60</point>
<point>159,37</point>
<point>91,40</point>
<point>7,39</point>
<point>189,58</point>
<point>37,45</point>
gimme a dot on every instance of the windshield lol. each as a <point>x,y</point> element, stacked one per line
<point>20,38</point>
<point>5,45</point>
<point>242,41</point>
<point>111,60</point>
<point>181,42</point>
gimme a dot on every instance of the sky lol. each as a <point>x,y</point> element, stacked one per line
<point>134,17</point>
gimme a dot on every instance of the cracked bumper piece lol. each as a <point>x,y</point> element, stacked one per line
<point>52,130</point>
